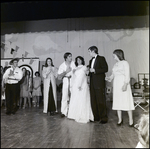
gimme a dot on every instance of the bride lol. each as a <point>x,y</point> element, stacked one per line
<point>80,105</point>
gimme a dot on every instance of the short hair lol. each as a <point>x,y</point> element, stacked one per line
<point>144,130</point>
<point>66,55</point>
<point>93,48</point>
<point>119,53</point>
<point>37,72</point>
<point>81,58</point>
<point>46,65</point>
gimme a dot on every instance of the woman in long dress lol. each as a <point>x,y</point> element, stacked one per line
<point>49,74</point>
<point>25,88</point>
<point>80,105</point>
<point>122,95</point>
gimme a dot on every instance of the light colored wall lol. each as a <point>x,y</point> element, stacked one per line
<point>52,38</point>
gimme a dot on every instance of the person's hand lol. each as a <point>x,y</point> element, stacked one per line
<point>11,73</point>
<point>74,70</point>
<point>108,79</point>
<point>79,88</point>
<point>92,70</point>
<point>124,87</point>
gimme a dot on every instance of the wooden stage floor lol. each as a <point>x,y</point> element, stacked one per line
<point>31,128</point>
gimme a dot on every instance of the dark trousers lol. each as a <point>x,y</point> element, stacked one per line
<point>98,103</point>
<point>11,97</point>
<point>51,102</point>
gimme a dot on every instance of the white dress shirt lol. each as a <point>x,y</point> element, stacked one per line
<point>15,78</point>
<point>93,61</point>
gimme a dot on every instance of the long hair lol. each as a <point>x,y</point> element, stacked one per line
<point>119,53</point>
<point>81,58</point>
<point>66,55</point>
<point>46,65</point>
<point>93,48</point>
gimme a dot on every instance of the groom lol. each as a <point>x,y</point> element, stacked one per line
<point>98,68</point>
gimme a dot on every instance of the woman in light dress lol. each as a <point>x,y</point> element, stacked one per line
<point>122,95</point>
<point>49,74</point>
<point>80,105</point>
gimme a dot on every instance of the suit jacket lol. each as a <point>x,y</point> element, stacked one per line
<point>101,67</point>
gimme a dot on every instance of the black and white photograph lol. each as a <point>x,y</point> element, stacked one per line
<point>74,74</point>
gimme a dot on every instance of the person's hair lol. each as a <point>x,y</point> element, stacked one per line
<point>46,65</point>
<point>37,72</point>
<point>93,48</point>
<point>81,58</point>
<point>25,70</point>
<point>2,68</point>
<point>119,53</point>
<point>28,72</point>
<point>144,130</point>
<point>66,55</point>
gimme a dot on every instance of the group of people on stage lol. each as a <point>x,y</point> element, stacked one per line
<point>83,87</point>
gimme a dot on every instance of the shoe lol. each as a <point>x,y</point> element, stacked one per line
<point>51,113</point>
<point>119,124</point>
<point>103,122</point>
<point>56,112</point>
<point>62,115</point>
<point>132,125</point>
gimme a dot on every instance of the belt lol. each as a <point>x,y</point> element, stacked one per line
<point>11,79</point>
<point>67,77</point>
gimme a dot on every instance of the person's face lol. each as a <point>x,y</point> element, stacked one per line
<point>91,53</point>
<point>36,74</point>
<point>15,63</point>
<point>49,62</point>
<point>69,58</point>
<point>79,61</point>
<point>115,57</point>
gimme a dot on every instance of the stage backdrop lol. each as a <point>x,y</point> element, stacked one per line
<point>134,43</point>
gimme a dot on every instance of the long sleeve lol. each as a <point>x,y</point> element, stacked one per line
<point>103,67</point>
<point>126,71</point>
<point>44,73</point>
<point>55,72</point>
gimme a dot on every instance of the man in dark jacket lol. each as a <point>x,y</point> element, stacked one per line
<point>98,68</point>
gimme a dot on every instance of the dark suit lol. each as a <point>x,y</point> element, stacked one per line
<point>97,88</point>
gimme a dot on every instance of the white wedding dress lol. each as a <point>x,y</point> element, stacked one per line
<point>80,105</point>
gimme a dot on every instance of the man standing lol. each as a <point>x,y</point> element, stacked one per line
<point>11,78</point>
<point>98,68</point>
<point>64,74</point>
